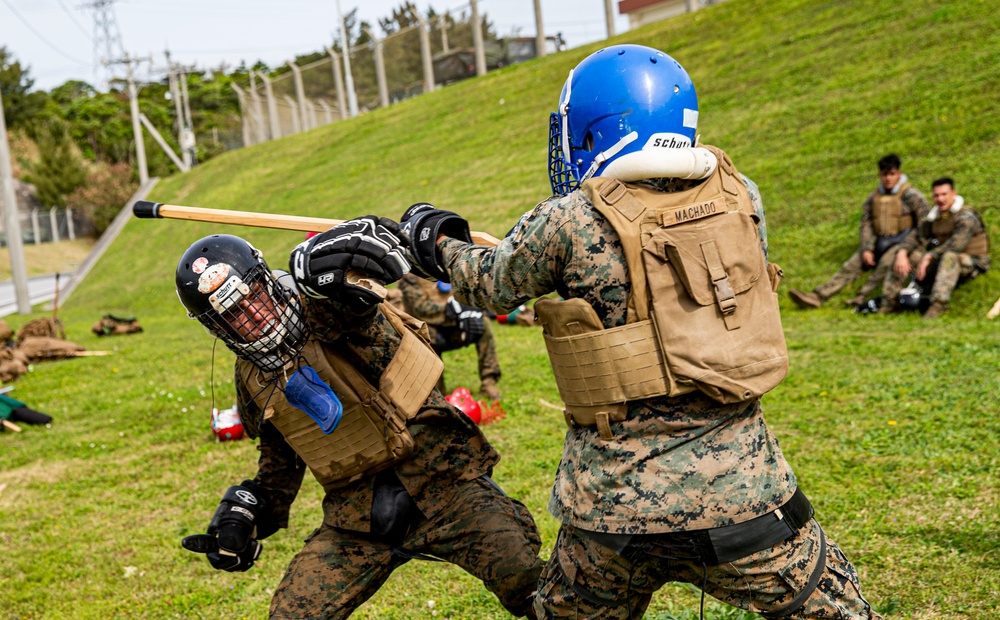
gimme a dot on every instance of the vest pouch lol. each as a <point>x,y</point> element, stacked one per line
<point>713,307</point>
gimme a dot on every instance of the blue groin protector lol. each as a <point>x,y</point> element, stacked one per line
<point>307,392</point>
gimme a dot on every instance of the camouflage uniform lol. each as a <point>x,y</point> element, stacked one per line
<point>461,515</point>
<point>915,205</point>
<point>951,264</point>
<point>423,300</point>
<point>675,465</point>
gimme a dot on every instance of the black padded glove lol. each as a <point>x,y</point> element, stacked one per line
<point>422,224</point>
<point>365,247</point>
<point>242,517</point>
<point>469,319</point>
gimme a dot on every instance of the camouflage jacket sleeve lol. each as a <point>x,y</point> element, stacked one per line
<point>915,204</point>
<point>419,304</point>
<point>527,263</point>
<point>966,225</point>
<point>867,232</point>
<point>279,470</point>
<point>758,208</point>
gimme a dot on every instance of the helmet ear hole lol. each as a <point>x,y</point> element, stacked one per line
<point>588,142</point>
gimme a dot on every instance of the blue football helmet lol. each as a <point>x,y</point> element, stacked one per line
<point>619,100</point>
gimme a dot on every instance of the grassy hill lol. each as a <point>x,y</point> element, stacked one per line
<point>889,422</point>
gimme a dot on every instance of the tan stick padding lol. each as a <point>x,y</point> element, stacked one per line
<point>147,209</point>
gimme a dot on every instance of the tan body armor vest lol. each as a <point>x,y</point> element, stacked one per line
<point>944,227</point>
<point>372,433</point>
<point>702,315</point>
<point>887,213</point>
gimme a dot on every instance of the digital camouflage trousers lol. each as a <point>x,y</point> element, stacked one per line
<point>952,269</point>
<point>586,580</point>
<point>485,532</point>
<point>852,269</point>
<point>486,348</point>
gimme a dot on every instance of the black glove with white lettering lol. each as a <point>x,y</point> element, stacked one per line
<point>243,517</point>
<point>469,319</point>
<point>422,224</point>
<point>336,264</point>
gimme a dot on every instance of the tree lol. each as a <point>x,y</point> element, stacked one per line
<point>21,108</point>
<point>58,170</point>
<point>108,188</point>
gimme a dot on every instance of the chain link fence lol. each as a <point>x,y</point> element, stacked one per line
<point>417,56</point>
<point>50,225</point>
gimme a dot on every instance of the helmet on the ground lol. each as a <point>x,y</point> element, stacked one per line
<point>910,297</point>
<point>225,284</point>
<point>462,400</point>
<point>226,424</point>
<point>619,100</point>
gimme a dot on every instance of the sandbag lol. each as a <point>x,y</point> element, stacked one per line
<point>111,325</point>
<point>45,327</point>
<point>39,349</point>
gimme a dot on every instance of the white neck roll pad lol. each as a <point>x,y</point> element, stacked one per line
<point>683,163</point>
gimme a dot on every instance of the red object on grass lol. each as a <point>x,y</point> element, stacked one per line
<point>462,400</point>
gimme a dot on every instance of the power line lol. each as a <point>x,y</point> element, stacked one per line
<point>39,35</point>
<point>73,19</point>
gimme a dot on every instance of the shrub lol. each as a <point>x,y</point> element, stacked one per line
<point>101,198</point>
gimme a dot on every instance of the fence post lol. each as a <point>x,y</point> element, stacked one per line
<point>54,222</point>
<point>443,25</point>
<point>338,81</point>
<point>300,94</point>
<point>383,91</point>
<point>34,221</point>
<point>312,114</point>
<point>327,112</point>
<point>345,44</point>
<point>69,224</point>
<point>260,130</point>
<point>296,125</point>
<point>244,114</point>
<point>609,16</point>
<point>272,107</point>
<point>539,30</point>
<point>477,39</point>
<point>425,53</point>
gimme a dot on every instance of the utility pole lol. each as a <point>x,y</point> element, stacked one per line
<point>133,100</point>
<point>175,94</point>
<point>345,45</point>
<point>12,226</point>
<point>187,141</point>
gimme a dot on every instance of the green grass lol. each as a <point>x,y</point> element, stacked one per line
<point>889,422</point>
<point>45,258</point>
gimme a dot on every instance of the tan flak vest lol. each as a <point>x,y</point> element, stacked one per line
<point>887,213</point>
<point>372,433</point>
<point>703,313</point>
<point>943,228</point>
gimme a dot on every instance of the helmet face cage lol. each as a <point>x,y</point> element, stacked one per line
<point>564,175</point>
<point>258,319</point>
<point>224,283</point>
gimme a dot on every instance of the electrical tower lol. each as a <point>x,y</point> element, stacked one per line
<point>108,45</point>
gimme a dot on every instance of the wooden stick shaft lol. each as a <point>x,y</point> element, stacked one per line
<point>147,209</point>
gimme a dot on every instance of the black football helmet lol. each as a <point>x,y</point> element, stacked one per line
<point>225,284</point>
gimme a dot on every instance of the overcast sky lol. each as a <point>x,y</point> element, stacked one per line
<point>54,38</point>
